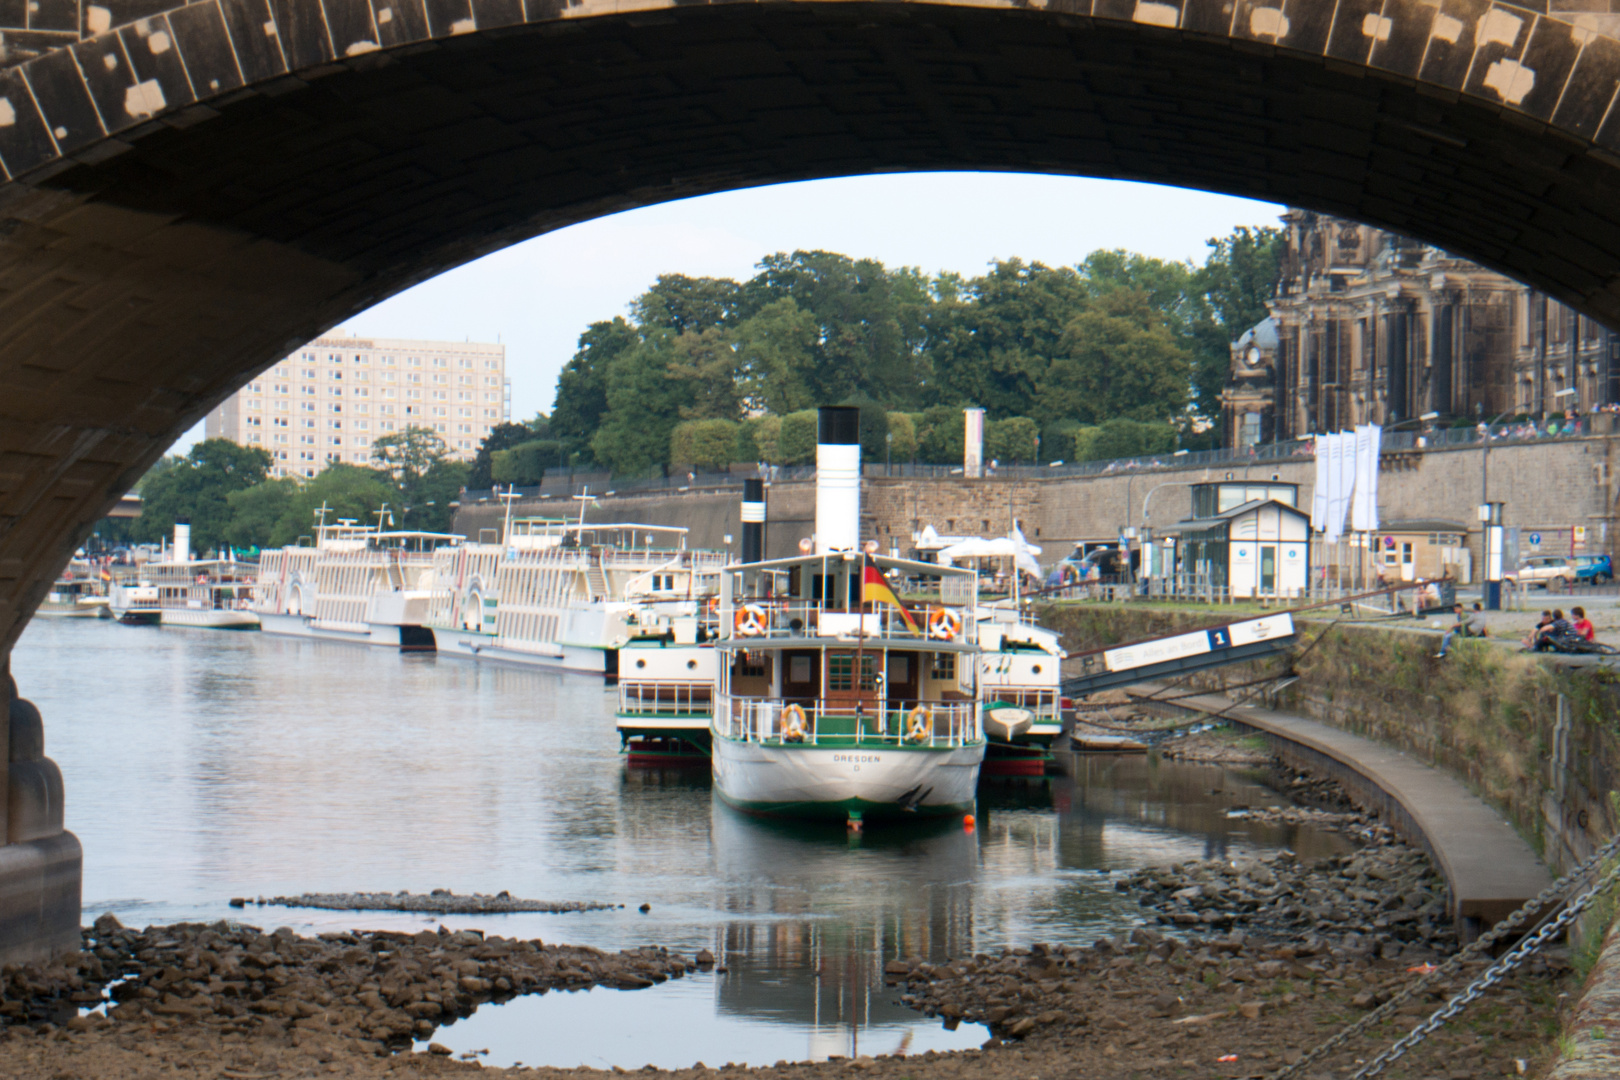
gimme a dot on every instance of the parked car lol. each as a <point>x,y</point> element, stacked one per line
<point>1593,568</point>
<point>1548,571</point>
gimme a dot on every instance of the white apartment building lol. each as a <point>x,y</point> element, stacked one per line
<point>330,399</point>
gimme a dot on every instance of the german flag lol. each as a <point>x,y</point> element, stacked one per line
<point>875,590</point>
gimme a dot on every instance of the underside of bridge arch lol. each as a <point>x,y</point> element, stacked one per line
<point>147,273</point>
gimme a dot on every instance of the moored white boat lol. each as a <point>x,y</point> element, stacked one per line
<point>1020,682</point>
<point>833,699</point>
<point>357,584</point>
<point>565,594</point>
<point>207,594</point>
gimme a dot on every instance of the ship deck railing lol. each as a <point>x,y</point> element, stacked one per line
<point>666,698</point>
<point>771,721</point>
<point>790,619</point>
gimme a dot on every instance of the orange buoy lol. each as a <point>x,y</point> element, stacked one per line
<point>967,821</point>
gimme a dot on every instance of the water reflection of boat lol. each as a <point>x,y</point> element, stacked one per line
<point>914,899</point>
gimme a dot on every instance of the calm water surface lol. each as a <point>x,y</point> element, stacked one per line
<point>202,765</point>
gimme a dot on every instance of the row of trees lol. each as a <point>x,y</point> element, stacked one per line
<point>1119,350</point>
<point>227,493</point>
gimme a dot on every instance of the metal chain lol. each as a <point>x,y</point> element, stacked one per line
<point>1503,929</point>
<point>1492,976</point>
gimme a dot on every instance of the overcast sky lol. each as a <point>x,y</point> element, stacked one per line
<point>537,297</point>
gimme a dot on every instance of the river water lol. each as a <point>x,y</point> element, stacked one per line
<point>202,765</point>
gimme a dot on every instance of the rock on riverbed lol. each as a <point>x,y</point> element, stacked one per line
<point>438,902</point>
<point>375,987</point>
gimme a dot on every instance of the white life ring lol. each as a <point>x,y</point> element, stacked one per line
<point>750,621</point>
<point>918,725</point>
<point>793,723</point>
<point>944,624</point>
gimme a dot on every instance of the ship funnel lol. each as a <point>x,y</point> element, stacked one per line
<point>182,541</point>
<point>753,521</point>
<point>838,478</point>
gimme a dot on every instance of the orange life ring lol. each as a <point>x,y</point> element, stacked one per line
<point>793,723</point>
<point>750,621</point>
<point>944,624</point>
<point>919,724</point>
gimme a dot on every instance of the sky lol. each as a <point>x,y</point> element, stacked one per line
<point>537,297</point>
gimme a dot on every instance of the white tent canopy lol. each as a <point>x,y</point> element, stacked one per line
<point>1015,547</point>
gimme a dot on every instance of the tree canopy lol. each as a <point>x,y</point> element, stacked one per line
<point>710,371</point>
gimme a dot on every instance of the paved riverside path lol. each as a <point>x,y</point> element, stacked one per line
<point>1489,869</point>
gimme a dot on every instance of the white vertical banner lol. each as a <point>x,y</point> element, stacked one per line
<point>1335,489</point>
<point>1360,511</point>
<point>973,443</point>
<point>1375,439</point>
<point>1347,476</point>
<point>1319,493</point>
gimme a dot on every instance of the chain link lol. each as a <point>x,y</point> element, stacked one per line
<point>1491,977</point>
<point>1508,926</point>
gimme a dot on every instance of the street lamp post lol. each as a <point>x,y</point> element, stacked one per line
<point>1490,519</point>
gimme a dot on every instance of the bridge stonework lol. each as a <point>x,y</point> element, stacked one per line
<point>188,192</point>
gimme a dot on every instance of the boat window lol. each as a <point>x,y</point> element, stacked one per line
<point>944,666</point>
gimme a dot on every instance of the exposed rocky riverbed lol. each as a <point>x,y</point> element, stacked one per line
<point>1237,969</point>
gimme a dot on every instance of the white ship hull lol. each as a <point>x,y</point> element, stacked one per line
<point>844,782</point>
<point>551,656</point>
<point>209,618</point>
<point>387,635</point>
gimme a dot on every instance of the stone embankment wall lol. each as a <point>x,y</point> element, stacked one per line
<point>1538,741</point>
<point>1548,486</point>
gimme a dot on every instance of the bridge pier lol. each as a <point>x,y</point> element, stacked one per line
<point>41,863</point>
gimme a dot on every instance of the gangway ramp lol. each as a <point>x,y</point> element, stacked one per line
<point>1153,659</point>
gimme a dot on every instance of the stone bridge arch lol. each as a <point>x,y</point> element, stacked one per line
<point>189,192</point>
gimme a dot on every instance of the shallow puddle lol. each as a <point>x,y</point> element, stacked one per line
<point>713,1019</point>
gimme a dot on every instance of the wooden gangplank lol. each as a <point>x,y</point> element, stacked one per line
<point>1153,659</point>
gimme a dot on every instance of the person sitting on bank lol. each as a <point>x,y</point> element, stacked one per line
<point>1466,624</point>
<point>1583,625</point>
<point>1548,637</point>
<point>1529,641</point>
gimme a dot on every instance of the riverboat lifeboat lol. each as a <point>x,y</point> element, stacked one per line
<point>1020,684</point>
<point>568,595</point>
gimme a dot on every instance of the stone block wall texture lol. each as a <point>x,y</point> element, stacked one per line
<point>1537,740</point>
<point>1549,486</point>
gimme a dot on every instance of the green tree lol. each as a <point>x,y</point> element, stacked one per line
<point>527,462</point>
<point>796,440</point>
<point>644,405</point>
<point>870,322</point>
<point>500,437</point>
<point>197,488</point>
<point>873,426</point>
<point>1117,359</point>
<point>707,444</point>
<point>582,385</point>
<point>941,435</point>
<point>904,432</point>
<point>766,431</point>
<point>687,305</point>
<point>1011,441</point>
<point>776,358</point>
<point>347,492</point>
<point>1121,438</point>
<point>428,480</point>
<point>256,511</point>
<point>1235,283</point>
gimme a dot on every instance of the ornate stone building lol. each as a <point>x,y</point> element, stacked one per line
<point>1367,326</point>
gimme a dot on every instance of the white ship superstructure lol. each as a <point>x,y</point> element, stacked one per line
<point>567,595</point>
<point>357,584</point>
<point>1020,682</point>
